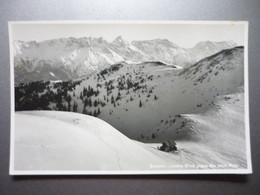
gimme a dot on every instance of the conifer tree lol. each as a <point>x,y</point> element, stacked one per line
<point>86,103</point>
<point>75,107</point>
<point>95,103</point>
<point>90,102</point>
<point>69,100</point>
<point>112,99</point>
<point>84,111</point>
<point>81,96</point>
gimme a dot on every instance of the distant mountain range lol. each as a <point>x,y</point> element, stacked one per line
<point>73,58</point>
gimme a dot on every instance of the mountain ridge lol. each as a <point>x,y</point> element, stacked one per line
<point>80,57</point>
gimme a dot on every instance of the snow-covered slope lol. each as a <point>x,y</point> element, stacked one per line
<point>195,89</point>
<point>65,141</point>
<point>215,136</point>
<point>50,140</point>
<point>221,129</point>
<point>72,58</point>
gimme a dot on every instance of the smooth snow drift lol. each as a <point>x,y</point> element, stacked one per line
<point>52,140</point>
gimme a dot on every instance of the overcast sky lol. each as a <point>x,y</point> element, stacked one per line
<point>184,35</point>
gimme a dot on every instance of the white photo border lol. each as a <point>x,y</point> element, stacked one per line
<point>247,170</point>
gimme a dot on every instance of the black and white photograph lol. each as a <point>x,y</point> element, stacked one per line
<point>129,97</point>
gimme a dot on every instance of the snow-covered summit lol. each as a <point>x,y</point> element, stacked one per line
<point>207,48</point>
<point>118,40</point>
